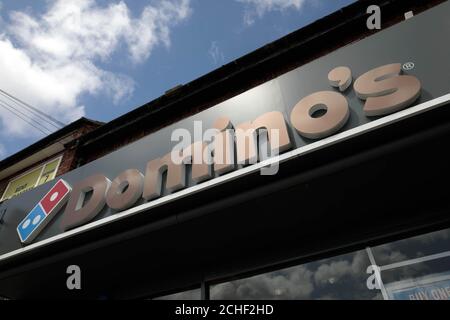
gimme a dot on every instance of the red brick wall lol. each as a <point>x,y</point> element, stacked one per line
<point>70,156</point>
<point>3,185</point>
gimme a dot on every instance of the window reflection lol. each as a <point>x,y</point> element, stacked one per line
<point>342,277</point>
<point>435,286</point>
<point>411,248</point>
<point>413,268</point>
<point>416,268</point>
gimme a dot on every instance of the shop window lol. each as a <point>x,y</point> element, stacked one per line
<point>31,179</point>
<point>417,268</point>
<point>342,277</point>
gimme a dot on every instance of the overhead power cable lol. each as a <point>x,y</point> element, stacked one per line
<point>28,120</point>
<point>38,113</point>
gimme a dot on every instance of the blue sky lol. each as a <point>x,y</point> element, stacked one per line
<point>101,59</point>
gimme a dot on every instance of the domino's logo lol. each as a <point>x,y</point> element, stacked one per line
<point>43,212</point>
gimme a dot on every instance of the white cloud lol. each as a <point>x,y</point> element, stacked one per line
<point>153,27</point>
<point>258,8</point>
<point>216,53</point>
<point>51,60</point>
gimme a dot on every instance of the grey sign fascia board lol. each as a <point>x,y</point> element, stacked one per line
<point>290,155</point>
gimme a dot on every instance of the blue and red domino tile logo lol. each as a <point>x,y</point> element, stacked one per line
<point>43,212</point>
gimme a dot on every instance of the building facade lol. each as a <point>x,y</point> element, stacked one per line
<point>334,190</point>
<point>44,160</point>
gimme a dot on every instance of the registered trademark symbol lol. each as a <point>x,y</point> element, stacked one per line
<point>408,66</point>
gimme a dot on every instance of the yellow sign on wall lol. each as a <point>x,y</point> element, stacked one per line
<point>33,178</point>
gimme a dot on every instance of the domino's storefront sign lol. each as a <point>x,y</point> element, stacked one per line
<point>43,212</point>
<point>395,91</point>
